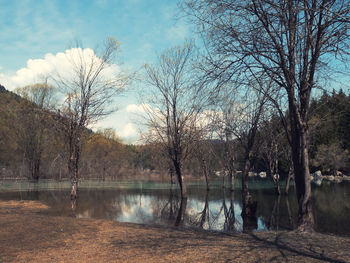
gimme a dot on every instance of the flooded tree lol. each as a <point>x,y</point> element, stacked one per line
<point>173,106</point>
<point>271,149</point>
<point>244,112</point>
<point>288,41</point>
<point>88,90</point>
<point>229,212</point>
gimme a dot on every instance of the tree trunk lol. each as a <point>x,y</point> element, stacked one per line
<point>73,207</point>
<point>171,173</point>
<point>232,181</point>
<point>180,179</point>
<point>290,176</point>
<point>75,174</point>
<point>205,212</point>
<point>229,224</point>
<point>302,178</point>
<point>181,215</point>
<point>248,205</point>
<point>74,188</point>
<point>206,171</point>
<point>290,217</point>
<point>277,187</point>
<point>34,167</point>
<point>223,181</point>
<point>275,215</point>
<point>207,181</point>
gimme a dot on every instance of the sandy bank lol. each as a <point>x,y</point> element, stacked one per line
<point>28,234</point>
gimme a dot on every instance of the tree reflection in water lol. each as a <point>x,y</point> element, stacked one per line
<point>273,224</point>
<point>229,213</point>
<point>250,221</point>
<point>203,216</point>
<point>73,203</point>
<point>181,214</point>
<point>290,217</point>
<point>169,211</point>
<point>216,211</point>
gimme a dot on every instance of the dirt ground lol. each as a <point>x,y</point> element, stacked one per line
<point>28,234</point>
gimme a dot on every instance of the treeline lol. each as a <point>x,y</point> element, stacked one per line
<point>32,146</point>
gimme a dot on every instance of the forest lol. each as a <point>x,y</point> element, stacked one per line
<point>32,146</point>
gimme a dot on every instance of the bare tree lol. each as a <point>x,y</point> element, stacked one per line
<point>88,91</point>
<point>289,41</point>
<point>243,115</point>
<point>174,105</point>
<point>32,123</point>
<point>271,149</point>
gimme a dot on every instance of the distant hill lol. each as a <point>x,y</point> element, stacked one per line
<point>3,90</point>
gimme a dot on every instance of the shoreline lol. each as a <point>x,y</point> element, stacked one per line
<point>27,234</point>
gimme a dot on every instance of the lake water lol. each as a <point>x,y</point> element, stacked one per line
<point>158,203</point>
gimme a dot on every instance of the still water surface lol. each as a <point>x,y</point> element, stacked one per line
<point>158,203</point>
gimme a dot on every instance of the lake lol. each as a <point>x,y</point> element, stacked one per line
<point>158,203</point>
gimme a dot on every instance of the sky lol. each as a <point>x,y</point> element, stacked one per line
<point>35,33</point>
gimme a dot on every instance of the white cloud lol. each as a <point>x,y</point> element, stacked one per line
<point>134,108</point>
<point>37,70</point>
<point>141,108</point>
<point>128,131</point>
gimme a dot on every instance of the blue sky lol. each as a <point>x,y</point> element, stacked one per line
<point>31,29</point>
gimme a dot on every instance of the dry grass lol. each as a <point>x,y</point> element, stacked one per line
<point>28,235</point>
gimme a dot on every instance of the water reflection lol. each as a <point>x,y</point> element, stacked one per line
<point>229,224</point>
<point>182,212</point>
<point>214,210</point>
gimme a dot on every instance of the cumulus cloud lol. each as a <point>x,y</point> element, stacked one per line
<point>62,63</point>
<point>141,108</point>
<point>135,108</point>
<point>128,131</point>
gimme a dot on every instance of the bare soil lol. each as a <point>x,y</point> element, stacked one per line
<point>28,234</point>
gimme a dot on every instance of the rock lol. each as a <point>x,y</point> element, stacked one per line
<point>330,177</point>
<point>317,174</point>
<point>339,173</point>
<point>251,174</point>
<point>262,174</point>
<point>318,182</point>
<point>276,176</point>
<point>338,179</point>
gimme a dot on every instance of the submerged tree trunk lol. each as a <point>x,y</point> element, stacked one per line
<point>181,180</point>
<point>73,207</point>
<point>248,205</point>
<point>290,217</point>
<point>277,187</point>
<point>275,215</point>
<point>223,181</point>
<point>204,215</point>
<point>181,215</point>
<point>73,168</point>
<point>232,180</point>
<point>229,213</point>
<point>302,177</point>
